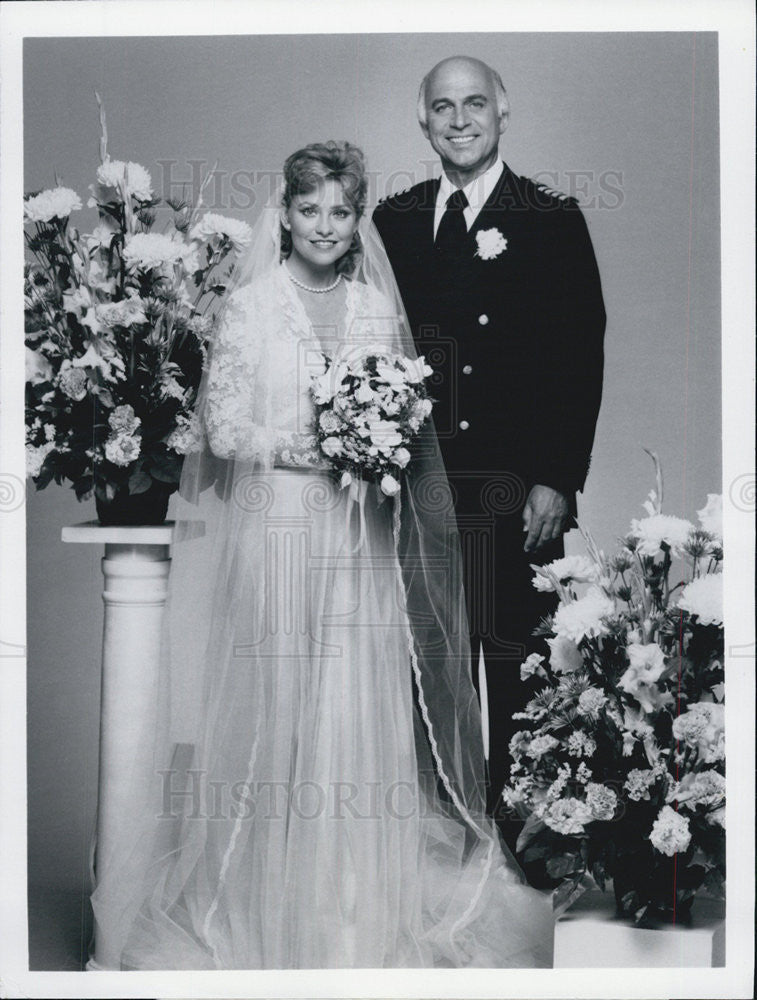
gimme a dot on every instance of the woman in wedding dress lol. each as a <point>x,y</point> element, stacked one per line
<point>313,796</point>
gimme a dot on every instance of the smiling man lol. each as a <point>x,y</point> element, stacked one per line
<point>501,286</point>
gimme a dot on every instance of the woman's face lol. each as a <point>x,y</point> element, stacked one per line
<point>322,223</point>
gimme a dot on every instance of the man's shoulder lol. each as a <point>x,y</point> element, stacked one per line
<point>419,196</point>
<point>520,191</point>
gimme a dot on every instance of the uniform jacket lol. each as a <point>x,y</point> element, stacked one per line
<point>516,340</point>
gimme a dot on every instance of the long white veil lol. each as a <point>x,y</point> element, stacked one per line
<point>168,884</point>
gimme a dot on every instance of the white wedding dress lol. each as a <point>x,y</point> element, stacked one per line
<point>309,816</point>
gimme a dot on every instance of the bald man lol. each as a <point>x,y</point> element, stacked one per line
<point>501,286</point>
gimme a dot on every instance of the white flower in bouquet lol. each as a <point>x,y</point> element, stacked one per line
<point>571,569</point>
<point>35,457</point>
<point>185,437</point>
<point>703,597</point>
<point>711,515</point>
<point>122,449</point>
<point>540,745</point>
<point>646,665</point>
<point>124,313</point>
<point>55,203</point>
<point>38,367</point>
<point>583,772</point>
<point>519,742</point>
<point>568,816</point>
<point>564,656</point>
<point>702,727</point>
<point>591,702</point>
<point>171,388</point>
<point>236,232</point>
<point>670,832</point>
<point>698,788</point>
<point>133,177</point>
<point>329,422</point>
<point>416,369</point>
<point>532,666</point>
<point>389,485</point>
<point>148,251</point>
<point>73,381</point>
<point>99,279</point>
<point>583,618</point>
<point>652,532</point>
<point>123,420</point>
<point>580,745</point>
<point>601,800</point>
<point>638,783</point>
<point>400,457</point>
<point>420,410</point>
<point>102,235</point>
<point>364,393</point>
<point>332,447</point>
<point>77,301</point>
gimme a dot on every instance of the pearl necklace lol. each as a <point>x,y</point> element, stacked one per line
<point>309,288</point>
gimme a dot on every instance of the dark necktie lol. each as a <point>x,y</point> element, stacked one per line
<point>452,229</point>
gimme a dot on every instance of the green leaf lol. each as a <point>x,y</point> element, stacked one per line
<point>567,893</point>
<point>139,481</point>
<point>531,828</point>
<point>566,864</point>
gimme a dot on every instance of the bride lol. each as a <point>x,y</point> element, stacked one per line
<point>314,794</point>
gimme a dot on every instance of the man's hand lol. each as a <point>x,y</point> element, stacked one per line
<point>544,517</point>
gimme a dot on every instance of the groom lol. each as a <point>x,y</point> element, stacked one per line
<point>502,291</point>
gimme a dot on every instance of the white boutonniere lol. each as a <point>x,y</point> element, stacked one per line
<point>491,243</point>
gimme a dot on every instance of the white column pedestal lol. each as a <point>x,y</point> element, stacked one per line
<point>589,935</point>
<point>135,568</point>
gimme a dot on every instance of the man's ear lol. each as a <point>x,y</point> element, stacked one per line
<point>504,120</point>
<point>424,128</point>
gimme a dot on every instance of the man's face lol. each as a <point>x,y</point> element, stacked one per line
<point>463,123</point>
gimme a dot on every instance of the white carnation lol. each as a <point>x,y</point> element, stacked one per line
<point>701,788</point>
<point>123,419</point>
<point>332,446</point>
<point>702,727</point>
<point>638,782</point>
<point>583,618</point>
<point>238,233</point>
<point>135,178</point>
<point>652,532</point>
<point>122,449</point>
<point>491,243</point>
<point>73,381</point>
<point>670,832</point>
<point>601,800</point>
<point>152,250</point>
<point>580,745</point>
<point>703,597</point>
<point>591,701</point>
<point>55,203</point>
<point>568,816</point>
<point>531,666</point>
<point>571,569</point>
<point>540,745</point>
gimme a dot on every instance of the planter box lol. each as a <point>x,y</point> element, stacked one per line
<point>591,935</point>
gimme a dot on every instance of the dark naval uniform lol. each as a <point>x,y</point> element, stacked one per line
<point>513,325</point>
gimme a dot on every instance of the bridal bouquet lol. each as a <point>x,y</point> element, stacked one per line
<point>117,325</point>
<point>370,404</point>
<point>619,770</point>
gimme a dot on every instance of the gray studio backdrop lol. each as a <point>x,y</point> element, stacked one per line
<point>627,122</point>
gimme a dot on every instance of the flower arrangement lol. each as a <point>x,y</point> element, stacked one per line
<point>117,326</point>
<point>619,771</point>
<point>370,404</point>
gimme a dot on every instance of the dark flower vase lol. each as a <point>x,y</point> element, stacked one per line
<point>131,509</point>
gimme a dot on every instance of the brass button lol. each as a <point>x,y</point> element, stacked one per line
<point>467,369</point>
<point>483,319</point>
<point>463,425</point>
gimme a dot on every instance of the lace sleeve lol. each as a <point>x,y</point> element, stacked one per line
<point>229,415</point>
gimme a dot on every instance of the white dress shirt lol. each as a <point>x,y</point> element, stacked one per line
<point>477,193</point>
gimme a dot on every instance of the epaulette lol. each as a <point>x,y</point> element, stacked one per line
<point>567,199</point>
